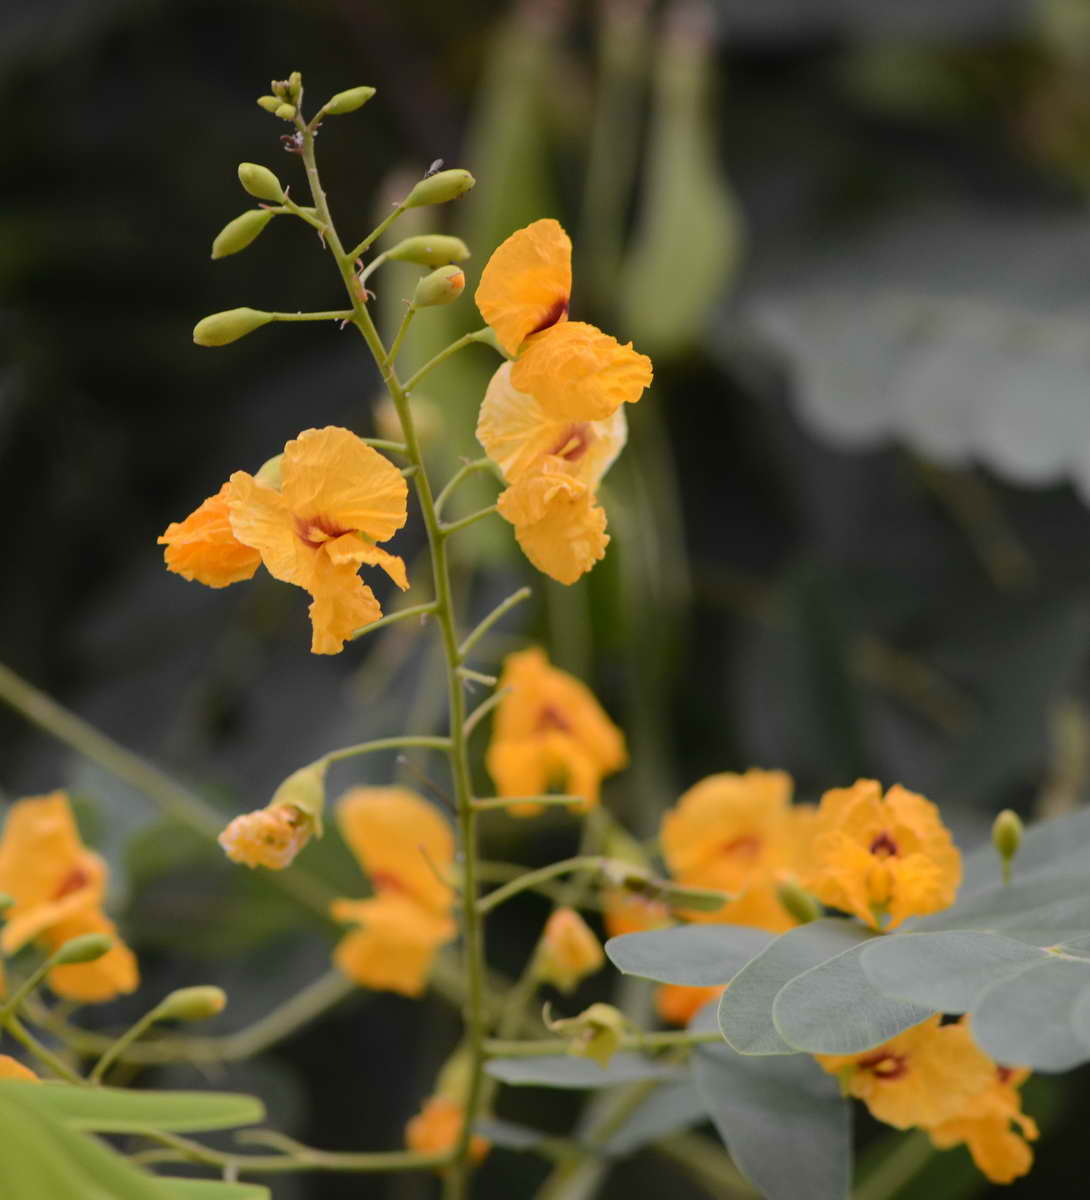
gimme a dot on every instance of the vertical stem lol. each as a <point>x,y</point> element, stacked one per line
<point>456,1179</point>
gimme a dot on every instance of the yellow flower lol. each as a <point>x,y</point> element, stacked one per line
<point>678,1003</point>
<point>738,834</point>
<point>985,1126</point>
<point>569,950</point>
<point>10,1069</point>
<point>624,911</point>
<point>550,731</point>
<point>576,371</point>
<point>437,1127</point>
<point>269,837</point>
<point>924,1076</point>
<point>204,548</point>
<point>878,857</point>
<point>337,498</point>
<point>58,886</point>
<point>405,846</point>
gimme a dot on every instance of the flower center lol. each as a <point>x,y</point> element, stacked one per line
<point>386,881</point>
<point>746,847</point>
<point>884,846</point>
<point>75,879</point>
<point>575,442</point>
<point>313,531</point>
<point>1004,1074</point>
<point>556,312</point>
<point>551,717</point>
<point>884,1065</point>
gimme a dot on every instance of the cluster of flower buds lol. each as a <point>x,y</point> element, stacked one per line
<point>285,97</point>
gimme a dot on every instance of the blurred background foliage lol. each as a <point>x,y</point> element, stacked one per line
<point>850,531</point>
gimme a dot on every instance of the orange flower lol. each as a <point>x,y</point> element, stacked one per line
<point>550,731</point>
<point>437,1128</point>
<point>878,857</point>
<point>58,886</point>
<point>11,1069</point>
<point>269,837</point>
<point>569,950</point>
<point>924,1076</point>
<point>738,834</point>
<point>204,548</point>
<point>576,371</point>
<point>628,912</point>
<point>677,1003</point>
<point>984,1125</point>
<point>337,498</point>
<point>404,845</point>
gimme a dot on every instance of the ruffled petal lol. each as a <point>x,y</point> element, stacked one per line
<point>395,945</point>
<point>204,548</point>
<point>262,518</point>
<point>351,548</point>
<point>579,373</point>
<point>526,284</point>
<point>342,604</point>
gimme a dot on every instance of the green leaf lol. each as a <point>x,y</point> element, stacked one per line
<point>211,1189</point>
<point>835,1009</point>
<point>692,955</point>
<point>946,971</point>
<point>115,1110</point>
<point>669,1109</point>
<point>1045,908</point>
<point>1029,1020</point>
<point>745,1010</point>
<point>565,1071</point>
<point>783,1120</point>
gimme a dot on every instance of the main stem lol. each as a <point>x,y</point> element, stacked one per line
<point>457,750</point>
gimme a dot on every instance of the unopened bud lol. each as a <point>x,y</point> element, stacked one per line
<point>236,235</point>
<point>440,287</point>
<point>271,472</point>
<point>222,328</point>
<point>430,250</point>
<point>569,950</point>
<point>798,902</point>
<point>305,790</point>
<point>269,103</point>
<point>349,101</point>
<point>259,181</point>
<point>6,902</point>
<point>595,1033</point>
<point>192,1004</point>
<point>439,188</point>
<point>286,112</point>
<point>295,83</point>
<point>1007,830</point>
<point>696,899</point>
<point>84,949</point>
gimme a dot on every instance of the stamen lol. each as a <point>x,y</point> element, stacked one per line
<point>558,310</point>
<point>884,846</point>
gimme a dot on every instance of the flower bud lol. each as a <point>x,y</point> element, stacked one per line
<point>595,1033</point>
<point>440,287</point>
<point>259,181</point>
<point>271,472</point>
<point>295,83</point>
<point>569,951</point>
<point>798,902</point>
<point>286,112</point>
<point>696,899</point>
<point>304,790</point>
<point>84,949</point>
<point>430,250</point>
<point>1007,831</point>
<point>269,103</point>
<point>236,235</point>
<point>349,101</point>
<point>439,188</point>
<point>192,1004</point>
<point>224,327</point>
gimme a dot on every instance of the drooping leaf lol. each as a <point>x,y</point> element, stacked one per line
<point>564,1071</point>
<point>692,955</point>
<point>835,1009</point>
<point>669,1109</point>
<point>745,1010</point>
<point>115,1110</point>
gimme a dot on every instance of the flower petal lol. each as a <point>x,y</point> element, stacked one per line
<point>262,518</point>
<point>114,974</point>
<point>204,547</point>
<point>342,604</point>
<point>351,548</point>
<point>395,945</point>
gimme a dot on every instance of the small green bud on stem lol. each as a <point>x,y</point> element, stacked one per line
<point>1007,830</point>
<point>191,1004</point>
<point>798,902</point>
<point>440,287</point>
<point>439,188</point>
<point>236,235</point>
<point>305,790</point>
<point>85,949</point>
<point>430,250</point>
<point>222,328</point>
<point>260,182</point>
<point>349,101</point>
<point>271,472</point>
<point>595,1033</point>
<point>269,103</point>
<point>286,112</point>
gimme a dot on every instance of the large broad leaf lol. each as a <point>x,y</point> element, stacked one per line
<point>692,955</point>
<point>114,1110</point>
<point>1057,847</point>
<point>211,1189</point>
<point>835,1009</point>
<point>783,1120</point>
<point>669,1108</point>
<point>1029,1020</point>
<point>565,1071</point>
<point>1045,908</point>
<point>745,1010</point>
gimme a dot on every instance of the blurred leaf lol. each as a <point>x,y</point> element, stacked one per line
<point>669,1109</point>
<point>1057,847</point>
<point>1044,906</point>
<point>745,1009</point>
<point>688,242</point>
<point>1029,1020</point>
<point>510,1135</point>
<point>564,1071</point>
<point>115,1110</point>
<point>211,1189</point>
<point>834,1009</point>
<point>693,955</point>
<point>783,1120</point>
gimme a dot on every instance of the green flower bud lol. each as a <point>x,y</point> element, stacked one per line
<point>6,902</point>
<point>260,182</point>
<point>798,902</point>
<point>430,250</point>
<point>440,287</point>
<point>269,103</point>
<point>82,949</point>
<point>286,112</point>
<point>439,188</point>
<point>270,473</point>
<point>192,1004</point>
<point>295,83</point>
<point>1007,831</point>
<point>698,899</point>
<point>236,235</point>
<point>305,790</point>
<point>349,101</point>
<point>224,327</point>
<point>595,1033</point>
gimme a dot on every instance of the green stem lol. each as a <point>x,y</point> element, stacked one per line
<point>118,1047</point>
<point>467,469</point>
<point>342,315</point>
<point>477,716</point>
<point>408,742</point>
<point>584,862</point>
<point>418,610</point>
<point>474,1011</point>
<point>477,677</point>
<point>373,266</point>
<point>465,340</point>
<point>42,1053</point>
<point>402,329</point>
<point>499,611</point>
<point>490,802</point>
<point>389,447</point>
<point>547,1047</point>
<point>454,526</point>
